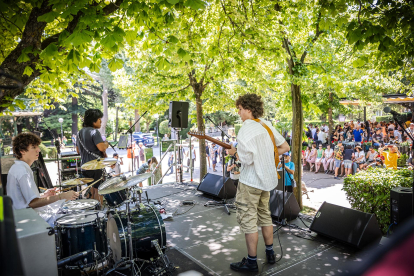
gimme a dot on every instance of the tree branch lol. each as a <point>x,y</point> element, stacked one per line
<point>359,12</point>
<point>11,22</point>
<point>317,34</point>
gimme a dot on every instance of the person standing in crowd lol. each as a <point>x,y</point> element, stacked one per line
<point>171,161</point>
<point>313,130</point>
<point>130,154</point>
<point>116,168</point>
<point>318,160</point>
<point>397,135</point>
<point>193,158</point>
<point>348,157</point>
<point>21,186</point>
<point>165,138</point>
<point>289,171</point>
<point>90,146</point>
<point>74,141</point>
<point>322,136</point>
<point>259,144</point>
<point>391,157</point>
<point>328,159</point>
<point>214,156</point>
<point>157,173</point>
<point>144,168</point>
<point>233,166</point>
<point>338,158</point>
<point>305,155</point>
<point>312,157</point>
<point>208,155</point>
<point>136,150</point>
<point>141,153</point>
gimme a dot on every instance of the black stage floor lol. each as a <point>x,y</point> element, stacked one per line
<point>211,238</point>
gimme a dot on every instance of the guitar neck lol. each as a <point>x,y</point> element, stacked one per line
<point>211,139</point>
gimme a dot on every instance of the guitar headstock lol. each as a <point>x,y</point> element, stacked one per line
<point>198,134</point>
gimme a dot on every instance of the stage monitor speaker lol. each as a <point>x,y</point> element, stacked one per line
<point>212,184</point>
<point>350,226</point>
<point>123,142</point>
<point>178,114</point>
<point>292,208</point>
<point>401,204</point>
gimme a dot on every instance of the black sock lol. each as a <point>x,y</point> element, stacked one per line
<point>251,259</point>
<point>269,249</point>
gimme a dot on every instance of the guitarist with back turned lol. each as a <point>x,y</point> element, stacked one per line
<point>258,149</point>
<point>91,146</point>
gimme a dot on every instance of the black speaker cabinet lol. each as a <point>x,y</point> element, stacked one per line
<point>350,226</point>
<point>401,204</point>
<point>212,184</point>
<point>178,114</point>
<point>292,208</point>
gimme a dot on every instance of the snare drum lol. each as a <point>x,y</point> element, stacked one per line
<point>147,225</point>
<point>81,205</point>
<point>80,232</point>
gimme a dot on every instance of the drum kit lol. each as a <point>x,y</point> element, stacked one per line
<point>127,236</point>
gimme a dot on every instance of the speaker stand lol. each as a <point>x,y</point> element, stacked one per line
<point>224,202</point>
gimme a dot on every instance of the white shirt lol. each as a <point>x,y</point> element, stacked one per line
<point>256,154</point>
<point>21,186</point>
<point>328,153</point>
<point>313,130</point>
<point>322,137</point>
<point>361,153</point>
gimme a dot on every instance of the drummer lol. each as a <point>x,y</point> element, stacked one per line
<point>21,186</point>
<point>91,146</point>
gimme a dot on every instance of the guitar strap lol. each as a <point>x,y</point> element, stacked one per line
<point>272,136</point>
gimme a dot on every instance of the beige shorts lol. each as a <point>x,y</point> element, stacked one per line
<point>252,208</point>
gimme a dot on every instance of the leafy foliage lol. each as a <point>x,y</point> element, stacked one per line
<point>369,191</point>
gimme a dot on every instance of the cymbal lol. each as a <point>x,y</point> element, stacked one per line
<point>76,181</point>
<point>117,184</point>
<point>97,165</point>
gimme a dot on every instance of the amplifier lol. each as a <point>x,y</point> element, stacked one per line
<point>401,204</point>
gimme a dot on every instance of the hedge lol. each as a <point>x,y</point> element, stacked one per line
<point>52,153</point>
<point>44,150</point>
<point>148,153</point>
<point>7,150</point>
<point>383,118</point>
<point>369,191</point>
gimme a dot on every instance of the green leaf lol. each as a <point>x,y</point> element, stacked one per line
<point>358,63</point>
<point>115,64</point>
<point>131,36</point>
<point>195,4</point>
<point>74,56</point>
<point>183,54</point>
<point>48,17</point>
<point>169,17</point>
<point>28,71</point>
<point>162,64</point>
<point>173,1</point>
<point>108,41</point>
<point>173,39</point>
<point>23,58</point>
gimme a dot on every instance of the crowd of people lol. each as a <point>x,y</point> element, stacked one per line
<point>345,154</point>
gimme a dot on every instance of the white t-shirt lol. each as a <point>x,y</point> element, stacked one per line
<point>256,154</point>
<point>328,153</point>
<point>21,186</point>
<point>322,137</point>
<point>397,135</point>
<point>313,130</point>
<point>358,155</point>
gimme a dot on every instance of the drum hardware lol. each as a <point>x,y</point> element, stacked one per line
<point>162,255</point>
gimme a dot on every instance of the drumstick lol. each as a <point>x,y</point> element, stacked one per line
<point>41,188</point>
<point>90,185</point>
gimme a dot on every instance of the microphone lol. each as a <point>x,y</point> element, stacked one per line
<point>388,109</point>
<point>73,258</point>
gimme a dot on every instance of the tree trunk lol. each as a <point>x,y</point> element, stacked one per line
<point>147,124</point>
<point>296,143</point>
<point>116,124</point>
<point>137,125</point>
<point>105,109</point>
<point>201,128</point>
<point>74,115</point>
<point>330,120</point>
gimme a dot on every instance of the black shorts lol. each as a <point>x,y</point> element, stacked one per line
<point>95,174</point>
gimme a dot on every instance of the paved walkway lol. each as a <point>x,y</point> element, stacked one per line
<point>325,187</point>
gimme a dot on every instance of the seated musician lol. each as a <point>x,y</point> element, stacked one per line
<point>21,186</point>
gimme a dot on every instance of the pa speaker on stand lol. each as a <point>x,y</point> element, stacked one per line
<point>212,184</point>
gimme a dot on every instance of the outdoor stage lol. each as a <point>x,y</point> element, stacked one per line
<point>210,237</point>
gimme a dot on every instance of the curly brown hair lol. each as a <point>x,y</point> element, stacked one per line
<point>22,142</point>
<point>251,102</point>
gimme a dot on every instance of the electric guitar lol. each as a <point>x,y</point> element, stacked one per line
<point>202,135</point>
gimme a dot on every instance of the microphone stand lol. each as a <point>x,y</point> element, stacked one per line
<point>224,200</point>
<point>57,145</point>
<point>397,118</point>
<point>130,131</point>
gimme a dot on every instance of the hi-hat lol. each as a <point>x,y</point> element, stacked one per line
<point>117,183</point>
<point>98,164</point>
<point>76,181</point>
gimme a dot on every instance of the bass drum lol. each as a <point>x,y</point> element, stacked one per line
<point>147,225</point>
<point>80,232</point>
